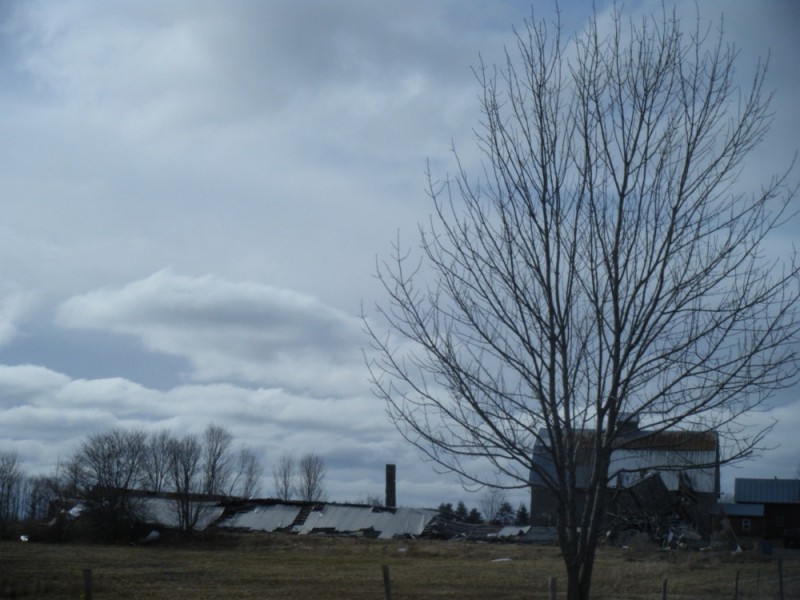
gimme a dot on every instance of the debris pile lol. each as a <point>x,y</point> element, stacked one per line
<point>645,506</point>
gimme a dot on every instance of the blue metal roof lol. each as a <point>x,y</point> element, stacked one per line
<point>743,510</point>
<point>767,491</point>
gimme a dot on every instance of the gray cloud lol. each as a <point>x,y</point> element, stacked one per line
<point>240,331</point>
<point>194,195</point>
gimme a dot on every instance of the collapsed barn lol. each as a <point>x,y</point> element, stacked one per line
<point>766,508</point>
<point>663,483</point>
<point>159,512</point>
<point>306,518</point>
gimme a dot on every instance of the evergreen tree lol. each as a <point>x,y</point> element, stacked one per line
<point>505,515</point>
<point>461,511</point>
<point>474,517</point>
<point>522,516</point>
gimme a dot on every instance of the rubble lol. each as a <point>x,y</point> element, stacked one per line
<point>646,506</point>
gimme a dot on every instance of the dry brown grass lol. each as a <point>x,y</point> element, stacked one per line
<point>282,566</point>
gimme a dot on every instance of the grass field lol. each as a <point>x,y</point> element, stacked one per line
<point>283,566</point>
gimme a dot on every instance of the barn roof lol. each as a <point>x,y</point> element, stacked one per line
<point>386,523</point>
<point>672,441</point>
<point>264,518</point>
<point>640,452</point>
<point>767,491</point>
<point>742,510</point>
<point>331,518</point>
<point>161,511</point>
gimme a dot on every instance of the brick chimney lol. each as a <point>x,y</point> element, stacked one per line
<point>391,490</point>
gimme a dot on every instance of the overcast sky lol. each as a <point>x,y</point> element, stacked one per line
<point>194,194</point>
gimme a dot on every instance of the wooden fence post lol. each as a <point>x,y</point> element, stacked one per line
<point>87,584</point>
<point>664,590</point>
<point>780,579</point>
<point>758,584</point>
<point>552,588</point>
<point>387,583</point>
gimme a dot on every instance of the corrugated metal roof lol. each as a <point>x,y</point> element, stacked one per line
<point>513,531</point>
<point>673,441</point>
<point>343,519</point>
<point>742,510</point>
<point>669,464</point>
<point>641,453</point>
<point>767,491</point>
<point>339,518</point>
<point>162,511</point>
<point>264,518</point>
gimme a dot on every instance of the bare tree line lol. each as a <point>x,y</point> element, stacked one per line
<point>24,497</point>
<point>299,479</point>
<point>12,490</point>
<point>108,466</point>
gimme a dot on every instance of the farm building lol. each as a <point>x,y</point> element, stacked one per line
<point>309,518</point>
<point>158,511</point>
<point>746,520</point>
<point>765,507</point>
<point>651,473</point>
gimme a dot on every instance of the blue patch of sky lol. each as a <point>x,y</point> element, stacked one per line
<point>94,355</point>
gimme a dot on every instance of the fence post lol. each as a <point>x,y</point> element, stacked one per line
<point>552,588</point>
<point>780,578</point>
<point>736,586</point>
<point>758,584</point>
<point>387,583</point>
<point>664,590</point>
<point>87,584</point>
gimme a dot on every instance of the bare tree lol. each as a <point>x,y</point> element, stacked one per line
<point>247,481</point>
<point>283,476</point>
<point>186,479</point>
<point>11,489</point>
<point>369,499</point>
<point>310,475</point>
<point>68,479</point>
<point>40,493</point>
<point>490,502</point>
<point>110,465</point>
<point>605,265</point>
<point>157,460</point>
<point>218,460</point>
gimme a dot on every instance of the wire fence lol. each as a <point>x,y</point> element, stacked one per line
<point>770,584</point>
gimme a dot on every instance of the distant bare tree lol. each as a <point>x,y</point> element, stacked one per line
<point>157,460</point>
<point>311,474</point>
<point>11,489</point>
<point>67,480</point>
<point>369,499</point>
<point>247,481</point>
<point>603,264</point>
<point>41,490</point>
<point>110,465</point>
<point>217,466</point>
<point>490,502</point>
<point>186,479</point>
<point>283,476</point>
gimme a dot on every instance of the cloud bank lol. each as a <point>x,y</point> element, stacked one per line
<point>195,195</point>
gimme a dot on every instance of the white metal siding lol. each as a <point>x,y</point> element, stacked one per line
<point>634,464</point>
